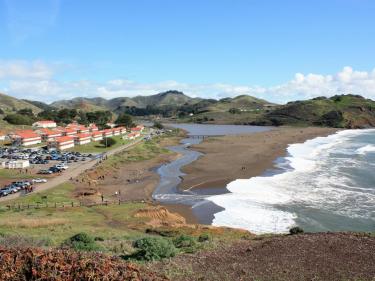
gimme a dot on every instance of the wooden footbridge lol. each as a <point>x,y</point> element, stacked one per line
<point>203,136</point>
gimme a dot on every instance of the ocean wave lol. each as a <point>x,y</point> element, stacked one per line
<point>315,181</point>
<point>365,149</point>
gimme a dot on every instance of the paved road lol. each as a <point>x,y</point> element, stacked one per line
<point>70,173</point>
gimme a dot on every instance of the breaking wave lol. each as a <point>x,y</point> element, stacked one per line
<point>328,176</point>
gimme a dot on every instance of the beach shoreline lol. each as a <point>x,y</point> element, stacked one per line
<point>249,155</point>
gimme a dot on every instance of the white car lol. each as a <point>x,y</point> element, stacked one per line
<point>62,166</point>
<point>39,180</point>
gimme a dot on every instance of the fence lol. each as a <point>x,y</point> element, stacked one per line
<point>63,205</point>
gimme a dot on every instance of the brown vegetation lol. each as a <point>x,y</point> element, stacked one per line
<point>319,256</point>
<point>62,265</point>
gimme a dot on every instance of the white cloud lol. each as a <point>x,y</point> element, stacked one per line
<point>25,70</point>
<point>38,80</point>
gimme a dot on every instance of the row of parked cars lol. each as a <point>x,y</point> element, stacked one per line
<point>58,168</point>
<point>18,186</point>
<point>41,155</point>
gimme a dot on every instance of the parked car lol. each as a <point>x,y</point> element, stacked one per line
<point>39,180</point>
<point>62,166</point>
<point>45,172</point>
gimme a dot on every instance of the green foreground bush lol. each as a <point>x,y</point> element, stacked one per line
<point>81,242</point>
<point>154,248</point>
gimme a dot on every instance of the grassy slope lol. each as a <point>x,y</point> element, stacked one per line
<point>8,104</point>
<point>97,147</point>
<point>340,111</point>
<point>111,222</point>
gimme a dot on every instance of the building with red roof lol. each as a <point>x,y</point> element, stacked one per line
<point>83,130</point>
<point>26,138</point>
<point>69,132</point>
<point>97,136</point>
<point>45,124</point>
<point>107,133</point>
<point>116,131</point>
<point>48,134</point>
<point>81,139</point>
<point>62,143</point>
<point>93,128</point>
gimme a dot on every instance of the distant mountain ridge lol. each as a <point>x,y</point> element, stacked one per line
<point>344,111</point>
<point>169,98</point>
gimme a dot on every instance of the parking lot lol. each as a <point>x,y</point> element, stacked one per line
<point>44,165</point>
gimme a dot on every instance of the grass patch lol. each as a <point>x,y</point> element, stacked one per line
<point>109,222</point>
<point>97,147</point>
<point>14,174</point>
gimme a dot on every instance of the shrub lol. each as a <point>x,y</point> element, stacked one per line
<point>204,237</point>
<point>295,230</point>
<point>81,242</point>
<point>158,125</point>
<point>154,248</point>
<point>18,119</point>
<point>184,241</point>
<point>186,244</point>
<point>108,142</point>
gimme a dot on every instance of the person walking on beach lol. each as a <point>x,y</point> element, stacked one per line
<point>102,197</point>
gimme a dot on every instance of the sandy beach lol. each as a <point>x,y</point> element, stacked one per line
<point>244,156</point>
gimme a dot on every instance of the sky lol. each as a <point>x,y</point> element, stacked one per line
<point>279,50</point>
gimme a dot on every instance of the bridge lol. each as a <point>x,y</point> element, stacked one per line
<point>203,136</point>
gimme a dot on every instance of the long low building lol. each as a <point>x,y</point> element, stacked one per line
<point>26,138</point>
<point>63,143</point>
<point>97,136</point>
<point>45,124</point>
<point>16,164</point>
<point>49,135</point>
<point>107,133</point>
<point>81,139</point>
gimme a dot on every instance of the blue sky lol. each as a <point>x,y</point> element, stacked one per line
<point>279,50</point>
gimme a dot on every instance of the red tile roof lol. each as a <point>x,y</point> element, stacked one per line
<point>27,134</point>
<point>97,133</point>
<point>82,136</point>
<point>64,139</point>
<point>49,132</point>
<point>45,121</point>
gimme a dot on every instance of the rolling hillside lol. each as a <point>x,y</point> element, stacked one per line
<point>11,104</point>
<point>342,111</point>
<point>169,98</point>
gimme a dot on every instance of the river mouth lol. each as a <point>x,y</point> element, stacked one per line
<point>167,191</point>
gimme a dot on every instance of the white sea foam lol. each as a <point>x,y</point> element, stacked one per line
<point>254,204</point>
<point>365,149</point>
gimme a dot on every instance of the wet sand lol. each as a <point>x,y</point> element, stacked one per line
<point>229,158</point>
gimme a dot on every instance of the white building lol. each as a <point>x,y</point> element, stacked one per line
<point>107,133</point>
<point>81,139</point>
<point>26,138</point>
<point>45,124</point>
<point>97,136</point>
<point>16,164</point>
<point>116,131</point>
<point>63,143</point>
<point>2,136</point>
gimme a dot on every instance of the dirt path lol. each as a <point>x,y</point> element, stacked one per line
<point>65,176</point>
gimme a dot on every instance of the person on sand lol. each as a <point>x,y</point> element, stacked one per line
<point>102,197</point>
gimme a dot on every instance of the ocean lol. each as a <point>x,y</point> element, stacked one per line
<point>324,184</point>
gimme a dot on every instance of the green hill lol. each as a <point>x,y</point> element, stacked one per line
<point>10,104</point>
<point>343,111</point>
